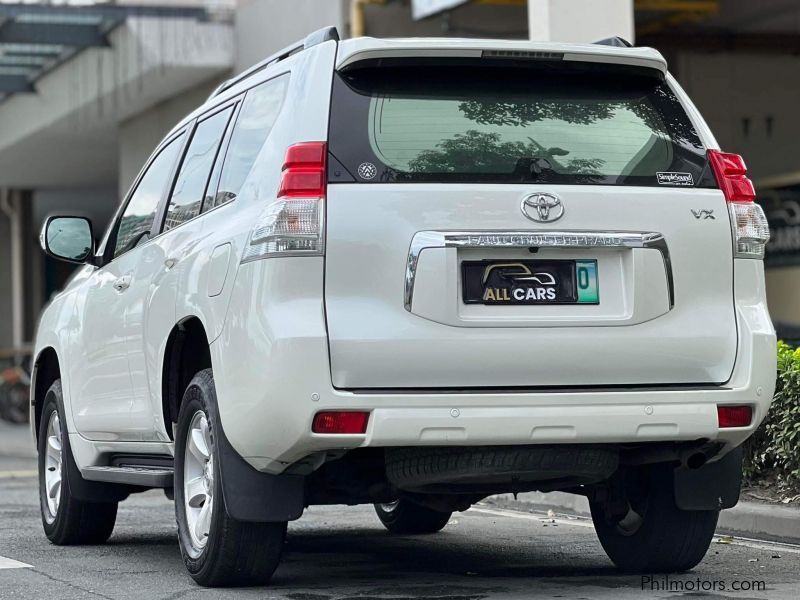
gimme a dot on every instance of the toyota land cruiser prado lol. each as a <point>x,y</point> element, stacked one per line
<point>414,273</point>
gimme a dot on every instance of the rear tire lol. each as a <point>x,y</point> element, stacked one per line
<point>217,550</point>
<point>66,520</point>
<point>655,536</point>
<point>404,516</point>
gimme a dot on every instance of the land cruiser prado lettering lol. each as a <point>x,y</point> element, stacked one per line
<point>413,273</point>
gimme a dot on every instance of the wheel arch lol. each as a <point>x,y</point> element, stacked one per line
<point>187,352</point>
<point>249,495</point>
<point>46,370</point>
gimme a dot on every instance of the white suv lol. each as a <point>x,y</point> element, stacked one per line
<point>414,273</point>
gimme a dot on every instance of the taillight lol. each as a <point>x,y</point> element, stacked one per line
<point>731,174</point>
<point>750,228</point>
<point>293,225</point>
<point>340,422</point>
<point>303,172</point>
<point>734,416</point>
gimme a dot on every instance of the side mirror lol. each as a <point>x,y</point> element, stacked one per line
<point>68,238</point>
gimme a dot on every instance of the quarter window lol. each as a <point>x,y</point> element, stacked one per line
<point>259,112</point>
<point>190,185</point>
<point>140,213</point>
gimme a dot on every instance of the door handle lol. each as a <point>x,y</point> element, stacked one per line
<point>169,263</point>
<point>123,283</point>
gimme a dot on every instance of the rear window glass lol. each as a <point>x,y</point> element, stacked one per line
<point>511,124</point>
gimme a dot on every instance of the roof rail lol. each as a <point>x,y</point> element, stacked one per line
<point>325,34</point>
<point>615,41</point>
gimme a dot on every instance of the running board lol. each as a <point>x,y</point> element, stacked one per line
<point>144,476</point>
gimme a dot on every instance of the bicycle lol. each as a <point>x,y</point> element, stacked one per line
<point>15,384</point>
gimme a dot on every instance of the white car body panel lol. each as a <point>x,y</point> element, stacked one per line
<point>100,382</point>
<point>700,126</point>
<point>442,342</point>
<point>162,270</point>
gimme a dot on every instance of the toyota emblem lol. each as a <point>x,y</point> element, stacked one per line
<point>542,207</point>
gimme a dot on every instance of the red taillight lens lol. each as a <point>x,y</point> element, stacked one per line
<point>734,416</point>
<point>302,183</point>
<point>339,421</point>
<point>303,173</point>
<point>305,154</point>
<point>731,174</point>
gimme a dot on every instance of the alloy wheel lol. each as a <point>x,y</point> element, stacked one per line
<point>198,481</point>
<point>53,468</point>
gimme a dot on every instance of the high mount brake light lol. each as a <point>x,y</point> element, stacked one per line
<point>293,225</point>
<point>749,224</point>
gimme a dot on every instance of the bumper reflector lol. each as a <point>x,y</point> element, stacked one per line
<point>734,416</point>
<point>340,421</point>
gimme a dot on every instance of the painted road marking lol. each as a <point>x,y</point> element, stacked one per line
<point>579,521</point>
<point>17,474</point>
<point>9,563</point>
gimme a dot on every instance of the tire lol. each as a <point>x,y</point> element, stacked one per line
<point>404,516</point>
<point>66,520</point>
<point>655,536</point>
<point>231,553</point>
<point>494,469</point>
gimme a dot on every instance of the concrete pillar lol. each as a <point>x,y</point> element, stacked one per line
<point>10,205</point>
<point>580,20</point>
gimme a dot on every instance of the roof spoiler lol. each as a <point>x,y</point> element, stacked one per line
<point>326,34</point>
<point>615,41</point>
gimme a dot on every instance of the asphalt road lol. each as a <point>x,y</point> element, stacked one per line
<point>338,553</point>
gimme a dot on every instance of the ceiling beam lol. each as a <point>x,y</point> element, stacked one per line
<point>724,41</point>
<point>105,11</point>
<point>29,50</point>
<point>77,36</point>
<point>706,6</point>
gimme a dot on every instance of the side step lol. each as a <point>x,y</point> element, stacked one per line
<point>144,475</point>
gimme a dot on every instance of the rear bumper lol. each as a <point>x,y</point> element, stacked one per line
<point>272,373</point>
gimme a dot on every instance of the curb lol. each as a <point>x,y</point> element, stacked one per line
<point>747,519</point>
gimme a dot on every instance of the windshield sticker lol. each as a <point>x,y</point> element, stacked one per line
<point>673,178</point>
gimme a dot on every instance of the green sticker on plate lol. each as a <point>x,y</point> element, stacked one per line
<point>586,276</point>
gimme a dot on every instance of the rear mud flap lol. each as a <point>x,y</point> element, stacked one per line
<point>714,486</point>
<point>250,495</point>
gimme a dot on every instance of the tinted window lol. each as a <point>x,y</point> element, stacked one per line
<point>190,185</point>
<point>137,219</point>
<point>259,111</point>
<point>513,124</point>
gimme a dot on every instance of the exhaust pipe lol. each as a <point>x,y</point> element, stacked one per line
<point>693,459</point>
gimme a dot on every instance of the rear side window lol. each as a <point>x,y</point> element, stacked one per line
<point>190,185</point>
<point>505,124</point>
<point>253,125</point>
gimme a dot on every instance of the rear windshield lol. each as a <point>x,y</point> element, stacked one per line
<point>499,124</point>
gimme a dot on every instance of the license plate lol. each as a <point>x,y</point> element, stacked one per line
<point>530,282</point>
